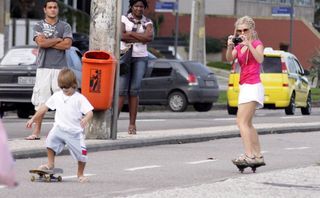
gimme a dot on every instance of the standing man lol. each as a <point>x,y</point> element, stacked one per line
<point>53,37</point>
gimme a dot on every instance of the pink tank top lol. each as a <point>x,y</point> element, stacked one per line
<point>250,69</point>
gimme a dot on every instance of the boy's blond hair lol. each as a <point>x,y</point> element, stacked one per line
<point>67,79</point>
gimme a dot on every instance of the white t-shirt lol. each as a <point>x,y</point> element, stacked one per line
<point>139,49</point>
<point>69,110</point>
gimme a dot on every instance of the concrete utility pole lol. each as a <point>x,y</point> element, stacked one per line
<point>104,35</point>
<point>197,49</point>
<point>291,25</point>
<point>4,26</point>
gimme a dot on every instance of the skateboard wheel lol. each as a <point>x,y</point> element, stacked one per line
<point>33,178</point>
<point>59,178</point>
<point>47,178</point>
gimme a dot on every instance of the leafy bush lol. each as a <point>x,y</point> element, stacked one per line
<point>213,45</point>
<point>220,65</point>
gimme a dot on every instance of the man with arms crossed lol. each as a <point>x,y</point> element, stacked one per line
<point>53,37</point>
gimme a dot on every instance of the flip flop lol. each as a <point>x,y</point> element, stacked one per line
<point>83,179</point>
<point>32,137</point>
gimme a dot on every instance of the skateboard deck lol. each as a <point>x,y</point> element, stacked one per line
<point>46,175</point>
<point>241,167</point>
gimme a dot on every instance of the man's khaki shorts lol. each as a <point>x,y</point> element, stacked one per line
<point>46,84</point>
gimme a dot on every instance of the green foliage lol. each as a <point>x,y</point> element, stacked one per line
<point>213,45</point>
<point>220,65</point>
<point>222,97</point>
<point>315,94</point>
<point>69,14</point>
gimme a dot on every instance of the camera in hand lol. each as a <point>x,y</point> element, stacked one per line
<point>237,40</point>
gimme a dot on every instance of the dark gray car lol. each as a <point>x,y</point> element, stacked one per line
<point>17,77</point>
<point>178,84</point>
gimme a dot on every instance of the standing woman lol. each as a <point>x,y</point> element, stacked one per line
<point>137,31</point>
<point>249,53</point>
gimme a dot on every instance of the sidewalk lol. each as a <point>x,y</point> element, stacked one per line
<point>29,149</point>
<point>298,183</point>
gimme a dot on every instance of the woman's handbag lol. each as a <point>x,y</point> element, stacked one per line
<point>125,62</point>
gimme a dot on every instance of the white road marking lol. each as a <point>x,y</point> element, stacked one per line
<point>143,167</point>
<point>201,162</point>
<point>224,119</point>
<point>75,176</point>
<point>2,186</point>
<point>152,120</point>
<point>264,152</point>
<point>291,117</point>
<point>297,148</point>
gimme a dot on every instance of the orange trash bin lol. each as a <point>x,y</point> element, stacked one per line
<point>98,76</point>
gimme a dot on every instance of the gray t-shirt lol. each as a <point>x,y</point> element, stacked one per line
<point>50,57</point>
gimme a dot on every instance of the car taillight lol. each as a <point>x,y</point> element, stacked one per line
<point>285,84</point>
<point>230,84</point>
<point>284,67</point>
<point>192,79</point>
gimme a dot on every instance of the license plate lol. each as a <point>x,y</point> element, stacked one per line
<point>26,80</point>
<point>209,83</point>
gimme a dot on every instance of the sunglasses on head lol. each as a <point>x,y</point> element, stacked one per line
<point>64,87</point>
<point>242,31</point>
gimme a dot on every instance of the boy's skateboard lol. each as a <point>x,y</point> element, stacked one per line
<point>46,175</point>
<point>242,166</point>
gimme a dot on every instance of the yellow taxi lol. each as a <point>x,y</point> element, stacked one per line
<point>284,80</point>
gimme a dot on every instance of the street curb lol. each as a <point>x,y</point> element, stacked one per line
<point>182,139</point>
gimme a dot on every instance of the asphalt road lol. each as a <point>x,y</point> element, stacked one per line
<point>162,120</point>
<point>140,170</point>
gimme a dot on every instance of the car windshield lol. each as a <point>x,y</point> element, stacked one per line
<point>271,65</point>
<point>21,56</point>
<point>197,68</point>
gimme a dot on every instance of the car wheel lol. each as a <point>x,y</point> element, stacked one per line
<point>1,114</point>
<point>232,110</point>
<point>23,113</point>
<point>177,102</point>
<point>202,107</point>
<point>307,110</point>
<point>290,110</point>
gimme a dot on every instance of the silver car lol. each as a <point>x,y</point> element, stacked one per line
<point>17,77</point>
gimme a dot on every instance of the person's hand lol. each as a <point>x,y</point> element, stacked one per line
<point>29,123</point>
<point>83,122</point>
<point>229,41</point>
<point>245,40</point>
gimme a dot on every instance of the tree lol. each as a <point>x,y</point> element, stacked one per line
<point>315,68</point>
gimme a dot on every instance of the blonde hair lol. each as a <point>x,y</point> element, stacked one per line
<point>67,78</point>
<point>249,22</point>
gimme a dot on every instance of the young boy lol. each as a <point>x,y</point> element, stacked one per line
<point>73,111</point>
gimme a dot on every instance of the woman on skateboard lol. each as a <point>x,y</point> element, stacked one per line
<point>245,46</point>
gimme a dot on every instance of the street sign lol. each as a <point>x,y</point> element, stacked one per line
<point>165,6</point>
<point>281,11</point>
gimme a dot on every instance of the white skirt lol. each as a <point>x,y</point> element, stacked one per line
<point>251,92</point>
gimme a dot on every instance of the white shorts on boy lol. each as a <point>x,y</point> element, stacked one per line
<point>58,138</point>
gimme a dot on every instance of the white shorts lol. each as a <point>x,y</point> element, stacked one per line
<point>251,92</point>
<point>57,139</point>
<point>46,84</point>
